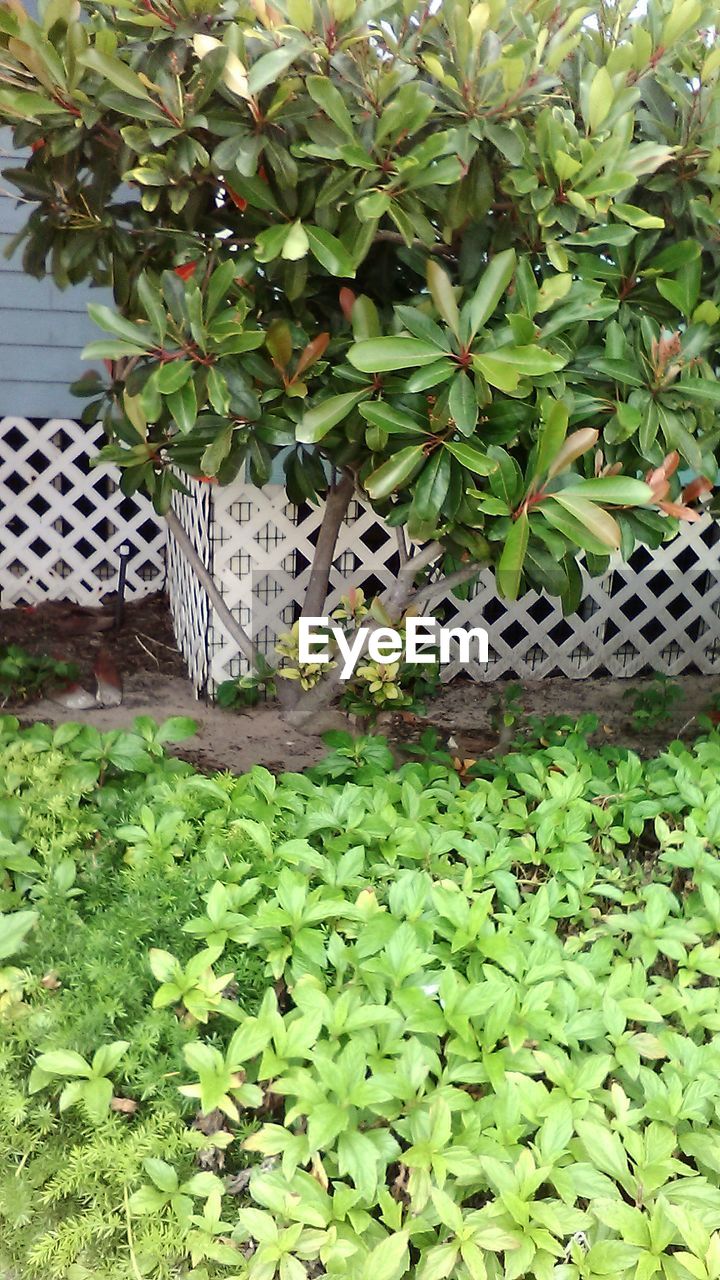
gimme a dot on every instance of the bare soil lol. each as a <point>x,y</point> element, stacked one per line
<point>155,684</point>
<point>143,642</point>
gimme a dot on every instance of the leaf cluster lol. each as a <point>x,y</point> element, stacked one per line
<point>418,245</point>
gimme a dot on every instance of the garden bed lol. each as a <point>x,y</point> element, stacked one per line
<point>144,641</point>
<point>462,712</point>
<point>377,1020</point>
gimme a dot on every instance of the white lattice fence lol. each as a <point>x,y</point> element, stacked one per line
<point>189,604</point>
<point>661,612</point>
<point>62,522</point>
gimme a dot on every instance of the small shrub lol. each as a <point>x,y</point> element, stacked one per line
<point>653,705</point>
<point>24,676</point>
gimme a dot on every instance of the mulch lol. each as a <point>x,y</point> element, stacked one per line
<point>144,641</point>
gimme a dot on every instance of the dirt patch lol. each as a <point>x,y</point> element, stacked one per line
<point>155,684</point>
<point>464,709</point>
<point>461,713</point>
<point>224,740</point>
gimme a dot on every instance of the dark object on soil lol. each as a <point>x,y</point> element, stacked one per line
<point>123,552</point>
<point>74,697</point>
<point>108,679</point>
<point>74,619</point>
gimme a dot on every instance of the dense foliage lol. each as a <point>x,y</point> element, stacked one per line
<point>418,243</point>
<point>361,1022</point>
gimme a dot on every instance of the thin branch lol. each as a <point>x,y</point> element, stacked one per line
<point>336,505</point>
<point>423,558</point>
<point>447,583</point>
<point>394,237</point>
<point>204,577</point>
<point>397,596</point>
<point>402,544</point>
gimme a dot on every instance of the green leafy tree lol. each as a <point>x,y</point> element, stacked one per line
<point>459,259</point>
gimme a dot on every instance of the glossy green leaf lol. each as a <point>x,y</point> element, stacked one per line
<point>365,319</point>
<point>493,284</point>
<point>330,252</point>
<point>112,322</point>
<point>183,407</point>
<point>327,414</point>
<point>395,473</point>
<point>471,457</point>
<point>331,101</point>
<point>600,98</point>
<point>577,533</point>
<point>431,489</point>
<point>383,355</point>
<point>443,295</point>
<point>116,72</point>
<point>463,405</point>
<point>271,66</point>
<point>551,436</point>
<point>620,491</point>
<point>508,574</point>
<point>600,524</point>
<point>172,375</point>
<point>395,421</point>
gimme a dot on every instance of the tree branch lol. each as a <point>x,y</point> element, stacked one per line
<point>336,505</point>
<point>447,583</point>
<point>425,556</point>
<point>394,237</point>
<point>397,596</point>
<point>402,544</point>
<point>232,626</point>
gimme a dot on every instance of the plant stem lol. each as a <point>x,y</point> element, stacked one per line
<point>131,1244</point>
<point>204,577</point>
<point>447,583</point>
<point>397,597</point>
<point>336,506</point>
<point>402,544</point>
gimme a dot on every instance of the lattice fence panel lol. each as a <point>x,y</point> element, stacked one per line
<point>660,612</point>
<point>189,604</point>
<point>62,522</point>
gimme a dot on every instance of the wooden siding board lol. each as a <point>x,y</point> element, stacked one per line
<point>33,328</point>
<point>43,329</point>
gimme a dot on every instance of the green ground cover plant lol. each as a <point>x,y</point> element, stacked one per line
<point>24,675</point>
<point>365,1021</point>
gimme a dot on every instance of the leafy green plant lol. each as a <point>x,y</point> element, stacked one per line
<point>196,986</point>
<point>460,261</point>
<point>165,1191</point>
<point>653,704</point>
<point>23,675</point>
<point>88,1082</point>
<point>441,1028</point>
<point>248,690</point>
<point>373,686</point>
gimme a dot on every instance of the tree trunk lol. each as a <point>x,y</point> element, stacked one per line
<point>289,693</point>
<point>336,506</point>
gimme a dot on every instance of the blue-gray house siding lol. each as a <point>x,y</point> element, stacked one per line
<point>43,329</point>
